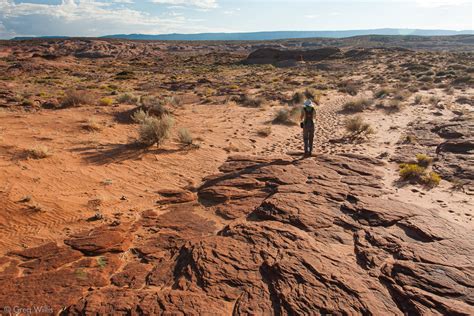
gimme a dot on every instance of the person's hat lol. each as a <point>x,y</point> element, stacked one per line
<point>308,103</point>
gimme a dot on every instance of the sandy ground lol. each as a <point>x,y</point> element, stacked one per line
<point>97,172</point>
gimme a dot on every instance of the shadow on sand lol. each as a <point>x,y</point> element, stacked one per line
<point>116,153</point>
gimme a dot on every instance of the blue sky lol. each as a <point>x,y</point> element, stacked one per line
<point>104,17</point>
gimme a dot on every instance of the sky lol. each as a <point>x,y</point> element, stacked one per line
<point>106,17</point>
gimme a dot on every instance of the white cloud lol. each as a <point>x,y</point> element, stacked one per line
<point>441,3</point>
<point>312,16</point>
<point>85,18</point>
<point>202,4</point>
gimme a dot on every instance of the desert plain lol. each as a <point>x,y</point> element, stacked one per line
<point>145,177</point>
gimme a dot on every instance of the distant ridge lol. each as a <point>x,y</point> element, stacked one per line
<point>277,35</point>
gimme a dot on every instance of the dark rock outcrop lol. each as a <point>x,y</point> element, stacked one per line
<point>274,56</point>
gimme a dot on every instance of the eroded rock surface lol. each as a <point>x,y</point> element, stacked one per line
<point>313,236</point>
<point>451,143</point>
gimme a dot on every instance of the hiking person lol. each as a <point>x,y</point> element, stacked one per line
<point>307,123</point>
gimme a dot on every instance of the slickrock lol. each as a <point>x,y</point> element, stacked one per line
<point>100,240</point>
<point>312,236</point>
<point>450,142</point>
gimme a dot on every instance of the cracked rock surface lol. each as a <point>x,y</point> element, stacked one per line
<point>263,237</point>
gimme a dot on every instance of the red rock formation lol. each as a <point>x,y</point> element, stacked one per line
<point>312,236</point>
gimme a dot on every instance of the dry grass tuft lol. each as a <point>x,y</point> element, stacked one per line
<point>153,130</point>
<point>92,125</point>
<point>249,101</point>
<point>74,98</point>
<point>264,131</point>
<point>127,98</point>
<point>185,137</point>
<point>357,105</point>
<point>382,93</point>
<point>357,128</point>
<point>286,116</point>
<point>38,152</point>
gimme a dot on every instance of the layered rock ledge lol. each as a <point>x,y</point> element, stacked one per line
<point>313,236</point>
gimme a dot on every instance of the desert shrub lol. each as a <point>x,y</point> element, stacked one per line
<point>426,79</point>
<point>286,116</point>
<point>411,172</point>
<point>185,137</point>
<point>139,116</point>
<point>125,75</point>
<point>106,101</point>
<point>413,89</point>
<point>174,101</point>
<point>432,179</point>
<point>127,98</point>
<point>27,102</point>
<point>463,80</point>
<point>357,105</point>
<point>153,130</point>
<point>265,131</point>
<point>75,98</point>
<point>394,106</point>
<point>418,99</point>
<point>38,152</point>
<point>298,98</point>
<point>311,94</point>
<point>401,95</point>
<point>408,139</point>
<point>424,160</point>
<point>348,87</point>
<point>418,172</point>
<point>356,127</point>
<point>92,125</point>
<point>154,106</point>
<point>434,100</point>
<point>382,93</point>
<point>249,101</point>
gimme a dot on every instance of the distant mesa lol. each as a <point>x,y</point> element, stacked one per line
<point>277,35</point>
